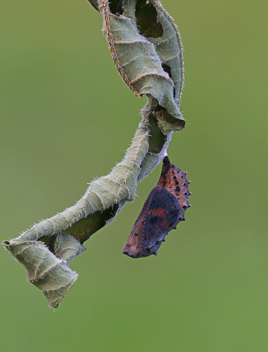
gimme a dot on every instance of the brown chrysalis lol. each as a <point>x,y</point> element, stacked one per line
<point>162,211</point>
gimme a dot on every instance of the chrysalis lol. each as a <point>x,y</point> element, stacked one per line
<point>162,211</point>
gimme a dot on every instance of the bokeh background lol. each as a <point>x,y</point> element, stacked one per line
<point>66,117</point>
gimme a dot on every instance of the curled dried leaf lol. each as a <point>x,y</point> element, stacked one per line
<point>146,49</point>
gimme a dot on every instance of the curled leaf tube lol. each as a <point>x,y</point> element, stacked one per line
<point>146,48</point>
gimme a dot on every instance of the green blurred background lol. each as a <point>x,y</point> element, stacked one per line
<point>67,118</point>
